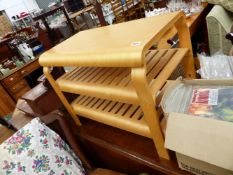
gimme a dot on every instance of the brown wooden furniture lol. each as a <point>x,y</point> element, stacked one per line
<point>5,51</point>
<point>139,8</point>
<point>8,51</point>
<point>99,12</point>
<point>196,20</point>
<point>43,37</point>
<point>118,76</point>
<point>123,151</point>
<point>15,83</point>
<point>27,30</point>
<point>44,16</point>
<point>73,17</point>
<point>118,11</point>
<point>163,3</point>
<point>134,9</point>
<point>42,100</point>
<point>74,5</point>
<point>7,104</point>
<point>131,11</point>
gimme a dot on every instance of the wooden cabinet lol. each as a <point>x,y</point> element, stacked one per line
<point>12,79</point>
<point>23,22</point>
<point>18,89</point>
<point>18,86</point>
<point>14,85</point>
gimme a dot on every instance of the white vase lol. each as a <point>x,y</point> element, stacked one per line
<point>25,51</point>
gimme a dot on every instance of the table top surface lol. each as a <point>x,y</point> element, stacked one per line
<point>103,45</point>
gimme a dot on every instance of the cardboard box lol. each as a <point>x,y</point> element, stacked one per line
<point>199,167</point>
<point>203,146</point>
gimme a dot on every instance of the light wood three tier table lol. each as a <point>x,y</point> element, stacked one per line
<point>118,76</point>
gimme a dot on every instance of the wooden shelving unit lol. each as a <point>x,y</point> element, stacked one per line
<point>23,22</point>
<point>118,76</point>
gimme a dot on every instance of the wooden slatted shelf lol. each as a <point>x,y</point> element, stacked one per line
<point>117,76</point>
<point>121,115</point>
<point>114,83</point>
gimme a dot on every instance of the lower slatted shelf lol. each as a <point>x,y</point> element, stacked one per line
<point>120,115</point>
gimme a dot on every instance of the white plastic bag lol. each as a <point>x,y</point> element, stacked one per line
<point>218,66</point>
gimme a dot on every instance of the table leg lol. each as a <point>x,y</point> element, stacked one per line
<point>185,42</point>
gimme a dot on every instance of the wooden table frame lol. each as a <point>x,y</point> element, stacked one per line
<point>43,17</point>
<point>143,93</point>
<point>80,13</point>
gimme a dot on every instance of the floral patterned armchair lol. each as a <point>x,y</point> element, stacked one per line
<point>36,149</point>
